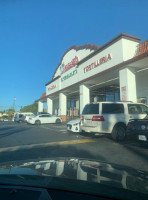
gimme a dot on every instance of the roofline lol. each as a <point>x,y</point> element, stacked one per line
<point>96,48</point>
<point>106,45</point>
<point>40,99</point>
<point>52,80</point>
<point>76,47</point>
<point>132,60</point>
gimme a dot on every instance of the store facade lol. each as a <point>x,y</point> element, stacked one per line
<point>115,71</point>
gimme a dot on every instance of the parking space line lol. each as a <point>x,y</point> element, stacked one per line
<point>58,127</point>
<point>49,128</point>
<point>24,147</point>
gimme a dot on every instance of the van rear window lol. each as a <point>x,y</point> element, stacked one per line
<point>91,109</point>
<point>112,108</point>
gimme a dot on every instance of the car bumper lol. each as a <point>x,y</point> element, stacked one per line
<point>30,122</point>
<point>92,129</point>
<point>75,129</point>
<point>139,134</point>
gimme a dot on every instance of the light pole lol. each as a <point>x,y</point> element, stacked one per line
<point>14,103</point>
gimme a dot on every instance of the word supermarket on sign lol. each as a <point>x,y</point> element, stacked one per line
<point>97,63</point>
<point>69,75</point>
<point>69,65</point>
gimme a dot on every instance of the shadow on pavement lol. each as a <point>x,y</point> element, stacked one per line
<point>93,135</point>
<point>5,128</point>
<point>129,141</point>
<point>47,152</point>
<point>11,132</point>
<point>136,151</point>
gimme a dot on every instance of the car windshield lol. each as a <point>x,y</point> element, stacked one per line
<point>74,86</point>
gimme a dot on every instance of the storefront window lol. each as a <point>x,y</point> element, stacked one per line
<point>109,93</point>
<point>72,110</point>
<point>71,104</point>
<point>110,96</point>
<point>117,95</point>
<point>102,98</point>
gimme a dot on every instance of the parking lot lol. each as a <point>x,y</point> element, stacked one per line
<point>20,141</point>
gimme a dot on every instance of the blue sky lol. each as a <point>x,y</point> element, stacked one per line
<point>34,34</point>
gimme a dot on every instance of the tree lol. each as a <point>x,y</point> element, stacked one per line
<point>30,108</point>
<point>9,113</point>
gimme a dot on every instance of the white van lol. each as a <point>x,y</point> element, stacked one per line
<point>23,116</point>
<point>111,117</point>
<point>27,115</point>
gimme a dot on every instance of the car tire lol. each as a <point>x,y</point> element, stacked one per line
<point>38,122</point>
<point>119,132</point>
<point>58,121</point>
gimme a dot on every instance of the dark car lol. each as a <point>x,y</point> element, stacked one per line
<point>139,127</point>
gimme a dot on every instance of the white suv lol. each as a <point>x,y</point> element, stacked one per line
<point>111,117</point>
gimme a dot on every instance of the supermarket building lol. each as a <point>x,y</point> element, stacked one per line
<point>116,71</point>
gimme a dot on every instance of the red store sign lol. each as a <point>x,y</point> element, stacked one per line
<point>123,93</point>
<point>52,87</point>
<point>70,65</point>
<point>97,63</point>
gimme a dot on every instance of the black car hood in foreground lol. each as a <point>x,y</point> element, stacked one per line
<point>78,175</point>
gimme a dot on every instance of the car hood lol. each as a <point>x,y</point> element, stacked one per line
<point>75,121</point>
<point>139,121</point>
<point>90,171</point>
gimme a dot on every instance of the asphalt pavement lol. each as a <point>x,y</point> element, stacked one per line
<point>29,142</point>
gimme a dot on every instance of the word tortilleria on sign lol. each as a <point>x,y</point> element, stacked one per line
<point>69,65</point>
<point>97,63</point>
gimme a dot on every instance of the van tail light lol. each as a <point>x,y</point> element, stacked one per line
<point>98,118</point>
<point>25,117</point>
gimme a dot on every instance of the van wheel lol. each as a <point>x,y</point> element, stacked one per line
<point>119,132</point>
<point>37,122</point>
<point>58,121</point>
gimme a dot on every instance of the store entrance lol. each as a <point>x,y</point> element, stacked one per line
<point>72,107</point>
<point>107,93</point>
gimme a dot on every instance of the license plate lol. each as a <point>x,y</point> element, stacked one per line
<point>142,137</point>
